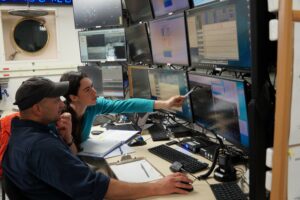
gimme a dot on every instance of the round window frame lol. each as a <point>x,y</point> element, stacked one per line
<point>18,48</point>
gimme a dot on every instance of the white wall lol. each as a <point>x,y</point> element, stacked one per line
<point>68,55</point>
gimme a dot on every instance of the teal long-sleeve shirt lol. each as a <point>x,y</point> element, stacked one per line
<point>105,106</point>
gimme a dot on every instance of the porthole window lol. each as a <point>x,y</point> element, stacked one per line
<point>30,35</point>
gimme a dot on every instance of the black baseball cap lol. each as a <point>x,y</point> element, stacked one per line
<point>35,89</point>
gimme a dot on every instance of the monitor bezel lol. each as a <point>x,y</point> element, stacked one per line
<point>186,39</point>
<point>239,145</point>
<point>103,60</point>
<point>212,66</point>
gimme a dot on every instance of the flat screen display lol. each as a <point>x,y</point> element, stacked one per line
<point>139,86</point>
<point>168,40</point>
<point>138,44</point>
<point>112,80</point>
<point>220,105</point>
<point>94,13</point>
<point>139,10</point>
<point>219,35</point>
<point>166,83</point>
<point>107,80</point>
<point>102,45</point>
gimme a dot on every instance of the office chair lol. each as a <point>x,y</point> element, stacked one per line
<point>12,191</point>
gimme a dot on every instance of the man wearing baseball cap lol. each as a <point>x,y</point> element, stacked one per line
<point>39,160</point>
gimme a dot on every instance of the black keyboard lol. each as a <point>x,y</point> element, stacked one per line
<point>226,191</point>
<point>189,163</point>
<point>158,132</point>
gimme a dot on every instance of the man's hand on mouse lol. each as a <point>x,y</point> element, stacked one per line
<point>173,184</point>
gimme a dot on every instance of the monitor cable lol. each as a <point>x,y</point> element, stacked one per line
<point>213,165</point>
<point>215,160</point>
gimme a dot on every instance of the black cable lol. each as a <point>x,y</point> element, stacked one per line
<point>212,167</point>
<point>207,182</point>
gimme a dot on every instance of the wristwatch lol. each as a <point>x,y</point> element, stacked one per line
<point>70,143</point>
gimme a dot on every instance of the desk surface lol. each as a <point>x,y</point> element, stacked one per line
<point>201,188</point>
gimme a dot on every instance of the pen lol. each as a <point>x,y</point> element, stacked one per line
<point>142,166</point>
<point>121,150</point>
<point>188,93</point>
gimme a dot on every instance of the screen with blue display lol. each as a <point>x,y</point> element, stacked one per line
<point>219,35</point>
<point>63,2</point>
<point>163,7</point>
<point>220,106</point>
<point>167,83</point>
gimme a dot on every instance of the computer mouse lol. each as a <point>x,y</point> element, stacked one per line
<point>187,189</point>
<point>96,132</point>
<point>137,142</point>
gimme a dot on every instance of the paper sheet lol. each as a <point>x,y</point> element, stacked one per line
<point>136,172</point>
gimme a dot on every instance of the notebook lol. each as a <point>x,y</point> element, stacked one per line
<point>106,142</point>
<point>138,170</point>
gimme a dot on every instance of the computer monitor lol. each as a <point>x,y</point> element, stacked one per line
<point>168,40</point>
<point>139,10</point>
<point>94,72</point>
<point>102,45</point>
<point>93,13</point>
<point>219,35</point>
<point>163,7</point>
<point>165,83</point>
<point>219,105</point>
<point>138,44</point>
<point>202,2</point>
<point>107,80</point>
<point>139,86</point>
<point>112,79</point>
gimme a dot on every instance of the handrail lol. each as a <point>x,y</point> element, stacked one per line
<point>283,100</point>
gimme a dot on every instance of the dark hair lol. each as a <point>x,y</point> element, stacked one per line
<point>74,79</point>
